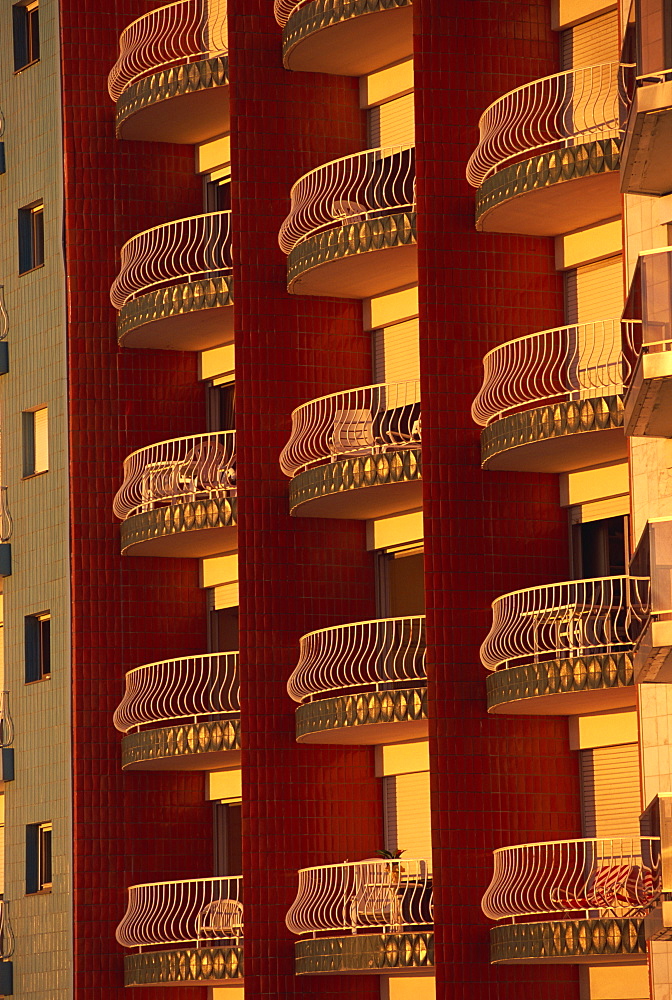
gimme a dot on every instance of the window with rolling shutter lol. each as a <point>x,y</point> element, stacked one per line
<point>392,124</point>
<point>610,791</point>
<point>590,43</point>
<point>594,291</point>
<point>396,352</point>
<point>407,815</point>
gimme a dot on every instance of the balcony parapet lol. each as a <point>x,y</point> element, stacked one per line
<point>574,639</point>
<point>173,282</point>
<point>344,211</point>
<point>197,925</point>
<point>648,402</point>
<point>648,137</point>
<point>198,696</point>
<point>175,491</point>
<point>2,145</point>
<point>374,915</point>
<point>345,444</point>
<point>334,36</point>
<point>356,683</point>
<point>174,50</point>
<point>578,372</point>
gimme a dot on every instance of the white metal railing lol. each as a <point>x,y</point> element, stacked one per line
<point>4,317</point>
<point>283,9</point>
<point>586,103</point>
<point>367,185</point>
<point>567,362</point>
<point>7,939</point>
<point>175,34</point>
<point>198,911</point>
<point>376,654</point>
<point>573,618</point>
<point>192,687</point>
<point>394,895</point>
<point>6,723</point>
<point>6,521</point>
<point>616,874</point>
<point>372,419</point>
<point>184,250</point>
<point>187,468</point>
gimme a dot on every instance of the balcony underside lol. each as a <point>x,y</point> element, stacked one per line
<point>337,37</point>
<point>358,260</point>
<point>215,966</point>
<point>578,685</point>
<point>184,104</point>
<point>373,717</point>
<point>195,746</point>
<point>552,193</point>
<point>360,488</point>
<point>562,437</point>
<point>617,941</point>
<point>191,316</point>
<point>384,954</point>
<point>647,147</point>
<point>190,530</point>
<point>648,404</point>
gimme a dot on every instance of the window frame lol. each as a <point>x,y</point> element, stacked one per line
<point>33,444</point>
<point>31,237</point>
<point>37,647</point>
<point>26,34</point>
<point>39,858</point>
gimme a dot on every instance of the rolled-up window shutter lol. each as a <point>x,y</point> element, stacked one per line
<point>396,352</point>
<point>590,43</point>
<point>610,791</point>
<point>407,815</point>
<point>392,124</point>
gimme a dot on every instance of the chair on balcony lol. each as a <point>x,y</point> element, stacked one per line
<point>347,212</point>
<point>352,433</point>
<point>222,918</point>
<point>206,470</point>
<point>375,900</point>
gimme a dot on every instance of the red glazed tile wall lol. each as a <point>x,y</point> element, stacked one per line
<point>139,827</point>
<point>495,780</point>
<point>302,805</point>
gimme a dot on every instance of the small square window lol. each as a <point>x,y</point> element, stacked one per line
<point>38,857</point>
<point>26,24</point>
<point>31,237</point>
<point>38,646</point>
<point>35,441</point>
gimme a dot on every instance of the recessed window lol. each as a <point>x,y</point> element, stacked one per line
<point>31,237</point>
<point>38,857</point>
<point>26,24</point>
<point>35,441</point>
<point>38,646</point>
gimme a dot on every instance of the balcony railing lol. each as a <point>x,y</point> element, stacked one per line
<point>4,318</point>
<point>368,185</point>
<point>196,912</point>
<point>370,420</point>
<point>581,105</point>
<point>616,875</point>
<point>393,896</point>
<point>176,471</point>
<point>6,723</point>
<point>569,619</point>
<point>173,35</point>
<point>193,688</point>
<point>185,250</point>
<point>283,9</point>
<point>7,940</point>
<point>577,361</point>
<point>6,521</point>
<point>377,654</point>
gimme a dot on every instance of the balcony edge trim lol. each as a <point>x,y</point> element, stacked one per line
<point>381,953</point>
<point>184,965</point>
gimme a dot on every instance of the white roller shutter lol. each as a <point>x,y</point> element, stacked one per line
<point>610,791</point>
<point>594,291</point>
<point>225,596</point>
<point>41,440</point>
<point>392,124</point>
<point>591,43</point>
<point>396,352</point>
<point>407,815</point>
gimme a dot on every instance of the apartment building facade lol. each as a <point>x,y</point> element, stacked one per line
<point>334,341</point>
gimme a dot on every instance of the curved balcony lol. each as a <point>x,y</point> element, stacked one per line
<point>573,640</point>
<point>197,699</point>
<point>356,454</point>
<point>178,497</point>
<point>351,229</point>
<point>369,916</point>
<point>174,290</point>
<point>589,896</point>
<point>357,683</point>
<point>648,403</point>
<point>540,138</point>
<point>176,51</point>
<point>545,396</point>
<point>197,927</point>
<point>335,36</point>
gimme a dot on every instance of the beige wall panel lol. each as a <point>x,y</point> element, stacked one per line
<point>41,712</point>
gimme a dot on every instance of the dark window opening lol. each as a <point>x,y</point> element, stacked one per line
<point>26,25</point>
<point>228,841</point>
<point>31,237</point>
<point>600,548</point>
<point>221,407</point>
<point>38,857</point>
<point>223,630</point>
<point>38,646</point>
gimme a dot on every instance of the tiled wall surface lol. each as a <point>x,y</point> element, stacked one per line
<point>495,781</point>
